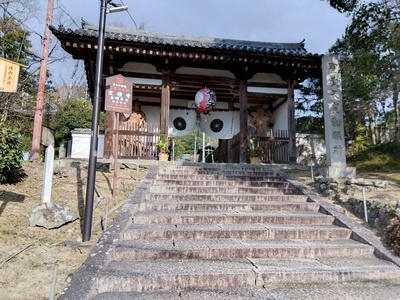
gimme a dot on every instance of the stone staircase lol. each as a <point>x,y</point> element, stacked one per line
<point>228,232</point>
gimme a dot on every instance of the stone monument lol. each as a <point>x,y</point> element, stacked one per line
<point>333,118</point>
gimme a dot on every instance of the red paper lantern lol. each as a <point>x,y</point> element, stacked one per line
<point>205,100</point>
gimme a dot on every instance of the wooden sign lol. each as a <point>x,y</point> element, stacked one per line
<point>9,73</point>
<point>118,96</point>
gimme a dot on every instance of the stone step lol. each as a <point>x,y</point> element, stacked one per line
<point>232,172</point>
<point>168,205</point>
<point>232,217</point>
<point>193,274</point>
<point>336,291</point>
<point>233,249</point>
<point>226,197</point>
<point>221,190</point>
<point>221,183</point>
<point>220,167</point>
<point>235,231</point>
<point>217,177</point>
<point>222,235</point>
<point>329,269</point>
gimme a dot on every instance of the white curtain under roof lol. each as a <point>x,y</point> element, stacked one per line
<point>181,122</point>
<point>221,125</point>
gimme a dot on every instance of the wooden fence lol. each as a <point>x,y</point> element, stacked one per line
<point>276,149</point>
<point>138,141</point>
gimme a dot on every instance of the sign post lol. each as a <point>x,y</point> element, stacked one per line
<point>118,99</point>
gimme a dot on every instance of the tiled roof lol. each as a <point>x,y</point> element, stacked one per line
<point>156,38</point>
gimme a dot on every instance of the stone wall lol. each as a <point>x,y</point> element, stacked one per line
<point>349,193</point>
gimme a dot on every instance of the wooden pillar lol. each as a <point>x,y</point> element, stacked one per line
<point>244,140</point>
<point>108,135</point>
<point>291,122</point>
<point>224,145</point>
<point>165,104</point>
<point>223,151</point>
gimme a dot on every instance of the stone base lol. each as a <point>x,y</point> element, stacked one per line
<point>338,172</point>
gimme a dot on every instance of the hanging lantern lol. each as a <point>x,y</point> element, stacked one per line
<point>205,100</point>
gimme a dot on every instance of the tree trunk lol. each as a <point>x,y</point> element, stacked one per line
<point>5,103</point>
<point>71,80</point>
<point>372,128</point>
<point>396,111</point>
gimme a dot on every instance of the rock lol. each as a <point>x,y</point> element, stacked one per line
<point>326,181</point>
<point>108,167</point>
<point>358,181</point>
<point>323,187</point>
<point>381,184</point>
<point>64,171</point>
<point>340,198</point>
<point>384,217</point>
<point>363,182</point>
<point>51,215</point>
<point>397,212</point>
<point>376,204</point>
<point>345,189</point>
<point>351,181</point>
<point>318,178</point>
<point>59,163</point>
<point>326,193</point>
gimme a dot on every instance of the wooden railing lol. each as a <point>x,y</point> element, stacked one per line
<point>276,149</point>
<point>138,141</point>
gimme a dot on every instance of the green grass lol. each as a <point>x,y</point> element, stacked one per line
<point>380,158</point>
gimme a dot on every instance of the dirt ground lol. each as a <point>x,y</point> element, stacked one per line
<point>31,256</point>
<point>390,194</point>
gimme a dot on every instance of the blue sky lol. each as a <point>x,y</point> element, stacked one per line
<point>253,20</point>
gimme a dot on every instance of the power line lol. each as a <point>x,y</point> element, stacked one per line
<point>130,15</point>
<point>64,10</point>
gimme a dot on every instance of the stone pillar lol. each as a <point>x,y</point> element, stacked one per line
<point>62,152</point>
<point>48,174</point>
<point>333,119</point>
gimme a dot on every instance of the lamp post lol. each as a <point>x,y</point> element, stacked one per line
<point>98,85</point>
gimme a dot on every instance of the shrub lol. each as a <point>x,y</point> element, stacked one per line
<point>392,235</point>
<point>11,152</point>
<point>382,157</point>
<point>213,156</point>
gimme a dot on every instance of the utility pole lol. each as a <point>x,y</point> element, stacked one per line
<point>37,124</point>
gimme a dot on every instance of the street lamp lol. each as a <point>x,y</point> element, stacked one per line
<point>98,84</point>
